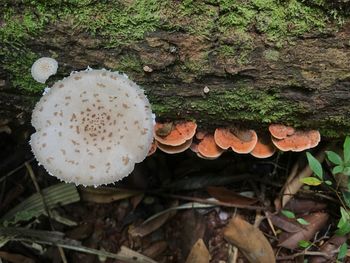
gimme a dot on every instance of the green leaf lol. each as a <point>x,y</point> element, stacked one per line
<point>347,149</point>
<point>334,157</point>
<point>344,230</point>
<point>304,244</point>
<point>346,196</point>
<point>342,251</point>
<point>346,171</point>
<point>327,182</point>
<point>288,213</point>
<point>337,169</point>
<point>315,165</point>
<point>302,221</point>
<point>344,214</point>
<point>311,181</point>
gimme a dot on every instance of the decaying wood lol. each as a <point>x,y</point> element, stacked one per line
<point>305,82</point>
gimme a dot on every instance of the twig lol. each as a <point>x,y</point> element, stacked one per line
<point>36,185</point>
<point>327,255</point>
<point>15,170</point>
<point>211,202</point>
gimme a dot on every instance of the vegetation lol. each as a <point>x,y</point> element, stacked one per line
<point>339,184</point>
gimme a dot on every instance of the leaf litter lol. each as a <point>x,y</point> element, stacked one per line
<point>175,209</point>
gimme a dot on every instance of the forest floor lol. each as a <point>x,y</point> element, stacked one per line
<point>172,208</point>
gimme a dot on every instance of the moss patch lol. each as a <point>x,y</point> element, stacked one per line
<point>276,19</point>
<point>236,104</point>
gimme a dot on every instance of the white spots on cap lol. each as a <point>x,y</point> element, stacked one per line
<point>95,126</point>
<point>43,68</point>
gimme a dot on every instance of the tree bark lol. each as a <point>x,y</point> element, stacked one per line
<point>254,76</point>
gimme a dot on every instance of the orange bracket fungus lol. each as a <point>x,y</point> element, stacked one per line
<point>298,141</point>
<point>264,148</point>
<point>280,131</point>
<point>240,141</point>
<point>207,148</point>
<point>174,134</point>
<point>174,138</point>
<point>175,149</point>
<point>43,68</point>
<point>92,127</point>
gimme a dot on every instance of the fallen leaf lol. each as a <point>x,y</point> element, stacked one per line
<point>155,249</point>
<point>316,222</point>
<point>330,248</point>
<point>15,258</point>
<point>292,186</point>
<point>284,223</point>
<point>249,240</point>
<point>150,225</point>
<point>300,206</point>
<point>224,195</point>
<point>193,228</point>
<point>105,195</point>
<point>199,253</point>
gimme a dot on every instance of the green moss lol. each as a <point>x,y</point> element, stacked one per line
<point>19,65</point>
<point>191,16</point>
<point>238,104</point>
<point>276,19</point>
<point>118,24</point>
<point>271,54</point>
<point>129,63</point>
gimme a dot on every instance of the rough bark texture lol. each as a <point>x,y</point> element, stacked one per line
<point>263,61</point>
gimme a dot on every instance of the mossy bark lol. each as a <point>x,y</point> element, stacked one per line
<point>262,62</point>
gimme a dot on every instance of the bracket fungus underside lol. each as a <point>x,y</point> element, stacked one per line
<point>92,127</point>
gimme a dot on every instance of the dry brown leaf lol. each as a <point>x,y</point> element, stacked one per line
<point>224,195</point>
<point>151,225</point>
<point>329,248</point>
<point>155,249</point>
<point>15,258</point>
<point>104,195</point>
<point>316,222</point>
<point>300,206</point>
<point>199,253</point>
<point>249,240</point>
<point>293,186</point>
<point>284,223</point>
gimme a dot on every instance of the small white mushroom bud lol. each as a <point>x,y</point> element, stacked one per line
<point>92,127</point>
<point>43,68</point>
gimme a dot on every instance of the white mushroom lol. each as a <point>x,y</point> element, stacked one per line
<point>92,127</point>
<point>43,68</point>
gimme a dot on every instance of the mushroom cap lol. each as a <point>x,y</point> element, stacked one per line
<point>264,148</point>
<point>43,68</point>
<point>175,134</point>
<point>299,141</point>
<point>208,149</point>
<point>92,127</point>
<point>240,141</point>
<point>175,149</point>
<point>280,131</point>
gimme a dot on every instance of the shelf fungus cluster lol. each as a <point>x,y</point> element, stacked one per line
<point>177,137</point>
<point>92,127</point>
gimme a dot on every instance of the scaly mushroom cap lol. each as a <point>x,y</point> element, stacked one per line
<point>240,141</point>
<point>208,149</point>
<point>174,134</point>
<point>264,148</point>
<point>175,149</point>
<point>92,127</point>
<point>299,141</point>
<point>43,68</point>
<point>280,131</point>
